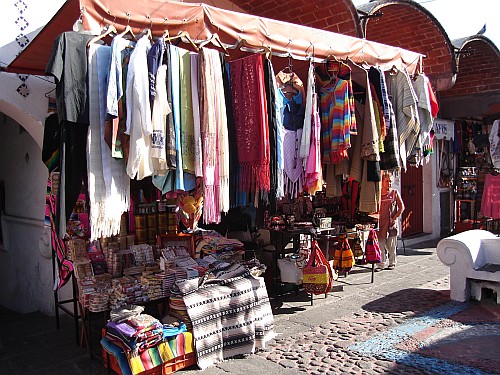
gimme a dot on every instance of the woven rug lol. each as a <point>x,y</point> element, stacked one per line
<point>231,316</point>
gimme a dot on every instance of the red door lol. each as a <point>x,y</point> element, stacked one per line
<point>412,195</point>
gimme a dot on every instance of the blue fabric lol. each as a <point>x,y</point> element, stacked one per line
<point>155,58</point>
<point>118,353</point>
<point>119,52</point>
<point>293,111</point>
<point>172,331</point>
<point>176,109</point>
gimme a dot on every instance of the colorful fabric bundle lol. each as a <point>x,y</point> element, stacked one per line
<point>172,347</point>
<point>317,274</point>
<point>372,248</point>
<point>343,258</point>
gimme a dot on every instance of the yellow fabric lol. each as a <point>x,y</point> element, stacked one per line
<point>136,365</point>
<point>379,126</point>
<point>315,278</point>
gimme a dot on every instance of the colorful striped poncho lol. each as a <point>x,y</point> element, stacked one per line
<point>336,121</point>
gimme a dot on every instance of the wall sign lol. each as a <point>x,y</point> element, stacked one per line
<point>444,128</point>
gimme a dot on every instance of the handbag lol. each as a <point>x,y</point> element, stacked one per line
<point>290,272</point>
<point>317,275</point>
<point>372,248</point>
<point>343,258</point>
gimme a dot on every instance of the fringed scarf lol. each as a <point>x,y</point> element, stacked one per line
<point>222,133</point>
<point>208,125</point>
<point>108,185</point>
<point>250,117</point>
<point>198,159</point>
<point>186,107</point>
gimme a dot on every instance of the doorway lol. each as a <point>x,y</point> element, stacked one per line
<point>412,195</point>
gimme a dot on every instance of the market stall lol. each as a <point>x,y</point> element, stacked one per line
<point>175,115</point>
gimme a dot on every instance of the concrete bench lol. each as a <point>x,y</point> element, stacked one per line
<point>474,260</point>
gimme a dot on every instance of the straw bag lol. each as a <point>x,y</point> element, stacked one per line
<point>317,274</point>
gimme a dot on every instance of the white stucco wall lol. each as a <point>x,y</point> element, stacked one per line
<point>25,261</point>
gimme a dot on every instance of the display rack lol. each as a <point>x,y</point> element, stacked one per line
<point>465,198</point>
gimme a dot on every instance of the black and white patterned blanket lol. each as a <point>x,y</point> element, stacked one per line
<point>231,315</point>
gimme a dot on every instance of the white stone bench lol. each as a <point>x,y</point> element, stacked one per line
<point>474,260</point>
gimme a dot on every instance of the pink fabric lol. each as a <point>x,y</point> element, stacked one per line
<point>314,172</point>
<point>490,202</point>
<point>208,136</point>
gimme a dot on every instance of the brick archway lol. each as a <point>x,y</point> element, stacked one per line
<point>406,24</point>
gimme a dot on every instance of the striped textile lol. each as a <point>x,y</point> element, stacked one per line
<point>173,347</point>
<point>404,102</point>
<point>132,364</point>
<point>335,121</point>
<point>64,265</point>
<point>231,316</point>
<point>343,258</point>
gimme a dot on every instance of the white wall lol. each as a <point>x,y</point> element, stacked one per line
<point>25,260</point>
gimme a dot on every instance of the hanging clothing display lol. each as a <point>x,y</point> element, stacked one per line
<point>250,117</point>
<point>293,112</point>
<point>335,121</point>
<point>222,134</point>
<point>68,65</point>
<point>139,126</point>
<point>490,202</point>
<point>313,172</point>
<point>271,93</point>
<point>114,133</point>
<point>280,135</point>
<point>420,85</point>
<point>494,139</point>
<point>198,159</point>
<point>186,108</point>
<point>214,136</point>
<point>108,185</point>
<point>160,111</point>
<point>404,102</point>
<point>232,147</point>
<point>310,106</point>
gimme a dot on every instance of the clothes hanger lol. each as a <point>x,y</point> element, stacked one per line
<point>109,29</point>
<point>215,40</point>
<point>393,70</point>
<point>333,65</point>
<point>245,46</point>
<point>184,36</point>
<point>145,32</point>
<point>165,35</point>
<point>128,29</point>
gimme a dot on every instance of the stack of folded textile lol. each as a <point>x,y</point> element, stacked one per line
<point>140,332</point>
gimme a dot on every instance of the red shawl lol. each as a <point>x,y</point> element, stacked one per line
<point>250,119</point>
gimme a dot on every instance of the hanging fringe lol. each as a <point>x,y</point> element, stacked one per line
<point>254,176</point>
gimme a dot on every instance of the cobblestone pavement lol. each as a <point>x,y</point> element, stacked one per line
<point>331,347</point>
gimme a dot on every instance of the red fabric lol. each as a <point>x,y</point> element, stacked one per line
<point>433,100</point>
<point>372,248</point>
<point>250,120</point>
